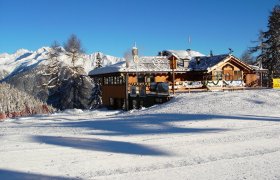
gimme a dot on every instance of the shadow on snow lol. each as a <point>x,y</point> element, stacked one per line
<point>126,125</point>
<point>17,175</point>
<point>154,124</point>
<point>100,145</point>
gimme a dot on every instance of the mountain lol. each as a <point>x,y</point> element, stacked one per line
<point>27,71</point>
<point>22,60</point>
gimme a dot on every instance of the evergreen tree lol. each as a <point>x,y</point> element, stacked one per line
<point>269,45</point>
<point>272,36</point>
<point>96,99</point>
<point>98,60</point>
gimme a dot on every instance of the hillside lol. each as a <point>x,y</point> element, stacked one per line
<point>14,103</point>
<point>210,135</point>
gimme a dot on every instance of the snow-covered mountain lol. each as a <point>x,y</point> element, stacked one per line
<point>26,71</point>
<point>22,59</point>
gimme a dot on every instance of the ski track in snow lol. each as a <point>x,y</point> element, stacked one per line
<point>214,135</point>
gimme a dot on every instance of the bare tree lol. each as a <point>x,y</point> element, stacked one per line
<point>73,49</point>
<point>53,67</point>
<point>247,57</point>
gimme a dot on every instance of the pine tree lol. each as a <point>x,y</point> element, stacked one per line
<point>269,45</point>
<point>272,36</point>
<point>98,60</point>
<point>96,99</point>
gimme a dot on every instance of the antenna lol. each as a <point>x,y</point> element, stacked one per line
<point>189,41</point>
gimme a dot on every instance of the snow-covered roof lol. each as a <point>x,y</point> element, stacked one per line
<point>257,68</point>
<point>206,62</point>
<point>149,63</point>
<point>211,62</point>
<point>183,54</point>
<point>146,64</point>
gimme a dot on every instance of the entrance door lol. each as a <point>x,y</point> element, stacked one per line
<point>228,72</point>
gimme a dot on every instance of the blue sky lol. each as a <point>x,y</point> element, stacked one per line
<point>112,26</point>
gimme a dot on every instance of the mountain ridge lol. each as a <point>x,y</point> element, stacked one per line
<point>23,59</point>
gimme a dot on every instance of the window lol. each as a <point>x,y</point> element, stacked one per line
<point>111,101</point>
<point>121,80</point>
<point>115,80</point>
<point>106,81</point>
<point>141,78</point>
<point>237,75</point>
<point>150,78</point>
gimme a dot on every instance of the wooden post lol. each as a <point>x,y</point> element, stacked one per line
<point>126,92</point>
<point>173,77</point>
<point>173,65</point>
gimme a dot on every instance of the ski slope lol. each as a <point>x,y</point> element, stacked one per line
<point>209,135</point>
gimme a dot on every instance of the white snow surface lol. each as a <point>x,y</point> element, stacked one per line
<point>209,135</point>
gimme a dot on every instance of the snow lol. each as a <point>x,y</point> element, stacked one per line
<point>23,59</point>
<point>207,62</point>
<point>185,54</point>
<point>208,135</point>
<point>148,63</point>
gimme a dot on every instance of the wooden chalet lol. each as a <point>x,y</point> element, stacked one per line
<point>145,81</point>
<point>224,72</point>
<point>131,85</point>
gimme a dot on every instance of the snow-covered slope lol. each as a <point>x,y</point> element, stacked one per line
<point>209,135</point>
<point>24,59</point>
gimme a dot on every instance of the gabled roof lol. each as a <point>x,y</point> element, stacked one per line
<point>209,63</point>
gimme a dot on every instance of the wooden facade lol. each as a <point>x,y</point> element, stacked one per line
<point>128,89</point>
<point>117,89</point>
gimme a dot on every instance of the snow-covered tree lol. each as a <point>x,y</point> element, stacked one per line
<point>52,70</point>
<point>15,103</point>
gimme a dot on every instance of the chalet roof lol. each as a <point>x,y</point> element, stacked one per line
<point>161,64</point>
<point>183,54</point>
<point>146,64</point>
<point>208,63</point>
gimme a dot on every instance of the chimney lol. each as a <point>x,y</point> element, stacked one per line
<point>185,63</point>
<point>126,62</point>
<point>197,59</point>
<point>160,53</point>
